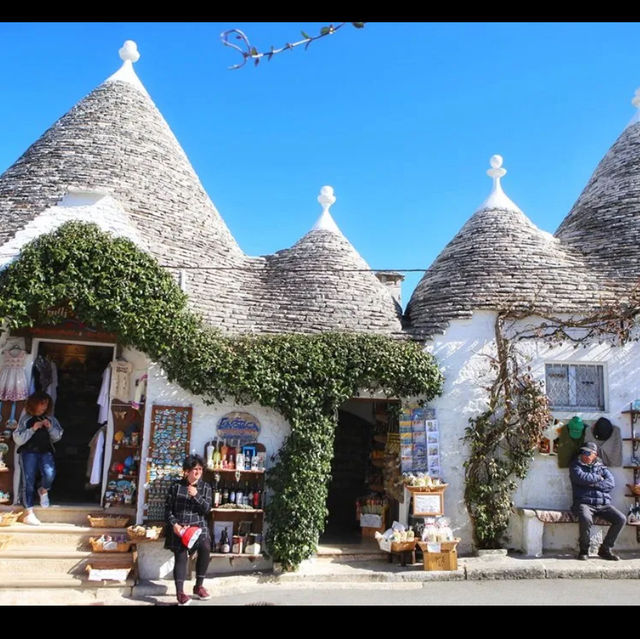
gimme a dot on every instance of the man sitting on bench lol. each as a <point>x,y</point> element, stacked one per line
<point>592,483</point>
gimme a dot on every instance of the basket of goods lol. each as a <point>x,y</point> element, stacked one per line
<point>397,539</point>
<point>108,521</point>
<point>140,533</point>
<point>438,545</point>
<point>110,543</point>
<point>422,483</point>
<point>10,517</point>
<point>108,571</point>
<point>634,488</point>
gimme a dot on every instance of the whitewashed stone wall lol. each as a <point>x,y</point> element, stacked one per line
<point>461,354</point>
<point>204,418</point>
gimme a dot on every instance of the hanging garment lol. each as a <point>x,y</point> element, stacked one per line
<point>609,441</point>
<point>140,392</point>
<point>103,396</point>
<point>52,389</point>
<point>121,380</point>
<point>96,449</point>
<point>568,447</point>
<point>42,373</point>
<point>14,385</point>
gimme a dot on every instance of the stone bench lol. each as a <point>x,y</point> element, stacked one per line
<point>534,520</point>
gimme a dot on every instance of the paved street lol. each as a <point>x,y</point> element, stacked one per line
<point>506,592</point>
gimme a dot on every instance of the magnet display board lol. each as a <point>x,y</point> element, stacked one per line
<point>169,445</point>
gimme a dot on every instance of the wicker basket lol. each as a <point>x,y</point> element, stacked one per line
<point>108,521</point>
<point>10,518</point>
<point>97,546</point>
<point>403,546</point>
<point>149,533</point>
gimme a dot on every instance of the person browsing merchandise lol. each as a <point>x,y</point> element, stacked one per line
<point>592,483</point>
<point>35,435</point>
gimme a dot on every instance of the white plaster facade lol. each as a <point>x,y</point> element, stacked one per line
<point>461,352</point>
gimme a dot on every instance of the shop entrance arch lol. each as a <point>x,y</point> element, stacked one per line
<point>360,467</point>
<point>79,366</point>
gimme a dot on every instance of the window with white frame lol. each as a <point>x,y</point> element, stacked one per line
<point>575,386</point>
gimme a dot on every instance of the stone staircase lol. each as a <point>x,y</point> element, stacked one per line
<point>47,564</point>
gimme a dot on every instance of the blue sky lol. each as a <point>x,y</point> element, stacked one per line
<point>400,118</point>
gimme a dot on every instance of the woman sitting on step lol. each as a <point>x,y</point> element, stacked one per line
<point>35,435</point>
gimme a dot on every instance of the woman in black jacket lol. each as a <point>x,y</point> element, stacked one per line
<point>188,504</point>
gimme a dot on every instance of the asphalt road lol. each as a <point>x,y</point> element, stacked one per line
<point>500,592</point>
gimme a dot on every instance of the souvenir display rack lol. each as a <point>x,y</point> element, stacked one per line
<point>241,521</point>
<point>126,447</point>
<point>168,446</point>
<point>634,418</point>
<point>7,447</point>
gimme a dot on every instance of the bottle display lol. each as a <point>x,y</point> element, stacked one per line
<point>237,477</point>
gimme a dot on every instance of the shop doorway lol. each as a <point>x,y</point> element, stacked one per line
<point>80,368</point>
<point>357,469</point>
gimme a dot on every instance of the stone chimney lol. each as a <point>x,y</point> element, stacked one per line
<point>393,281</point>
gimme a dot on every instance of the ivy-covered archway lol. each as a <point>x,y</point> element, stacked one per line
<point>109,283</point>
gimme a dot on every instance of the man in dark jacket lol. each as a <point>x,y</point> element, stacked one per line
<point>592,484</point>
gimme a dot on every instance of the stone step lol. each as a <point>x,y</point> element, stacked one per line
<point>53,565</point>
<point>75,514</point>
<point>57,537</point>
<point>336,553</point>
<point>63,590</point>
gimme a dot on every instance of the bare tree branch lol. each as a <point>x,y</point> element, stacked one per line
<point>249,52</point>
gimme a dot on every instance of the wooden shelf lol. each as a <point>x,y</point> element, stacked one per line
<point>229,470</point>
<point>246,511</point>
<point>121,475</point>
<point>129,446</point>
<point>631,439</point>
<point>235,555</point>
<point>632,495</point>
<point>5,470</point>
<point>632,467</point>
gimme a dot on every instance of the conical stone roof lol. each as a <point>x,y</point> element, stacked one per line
<point>114,156</point>
<point>322,283</point>
<point>501,260</point>
<point>604,223</point>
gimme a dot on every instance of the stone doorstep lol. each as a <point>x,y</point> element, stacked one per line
<point>49,565</point>
<point>52,536</point>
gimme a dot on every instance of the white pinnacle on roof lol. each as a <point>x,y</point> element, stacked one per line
<point>325,222</point>
<point>497,198</point>
<point>128,54</point>
<point>636,103</point>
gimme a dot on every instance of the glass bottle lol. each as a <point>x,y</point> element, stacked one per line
<point>225,494</point>
<point>216,455</point>
<point>239,496</point>
<point>217,495</point>
<point>224,542</point>
<point>224,455</point>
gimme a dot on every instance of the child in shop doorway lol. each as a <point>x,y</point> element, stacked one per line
<point>35,435</point>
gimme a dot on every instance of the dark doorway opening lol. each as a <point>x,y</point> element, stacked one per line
<point>355,471</point>
<point>80,369</point>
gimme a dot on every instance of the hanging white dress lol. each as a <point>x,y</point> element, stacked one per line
<point>14,385</point>
<point>103,396</point>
